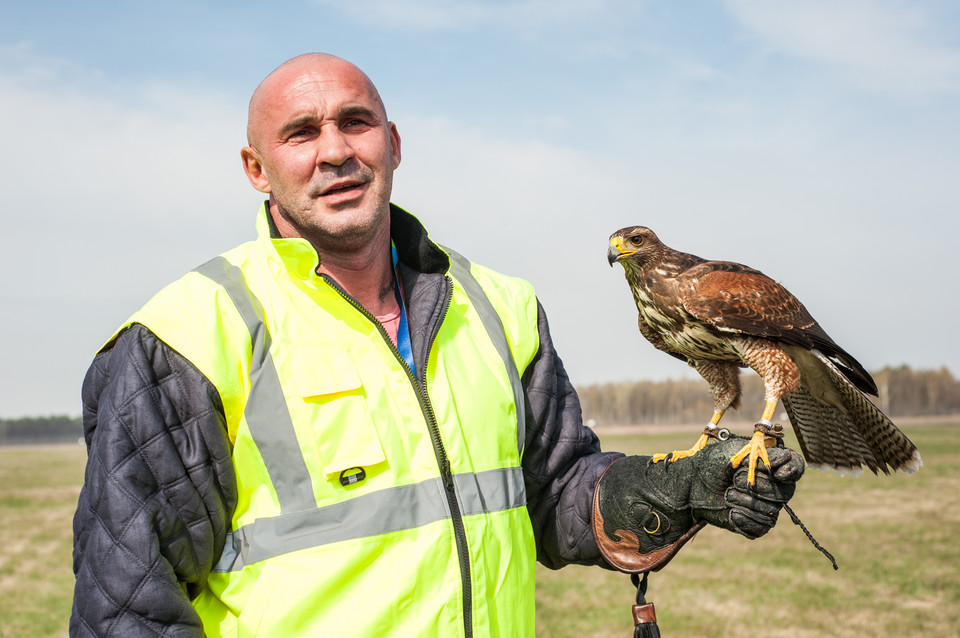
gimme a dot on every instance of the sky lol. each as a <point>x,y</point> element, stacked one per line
<point>815,140</point>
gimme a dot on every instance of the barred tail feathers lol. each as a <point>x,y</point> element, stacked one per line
<point>839,427</point>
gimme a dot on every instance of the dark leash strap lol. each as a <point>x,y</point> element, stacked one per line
<point>644,614</point>
<point>796,521</point>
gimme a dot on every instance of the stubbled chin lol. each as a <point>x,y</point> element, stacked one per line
<point>346,229</point>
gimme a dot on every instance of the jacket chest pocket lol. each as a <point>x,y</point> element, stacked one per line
<point>336,410</point>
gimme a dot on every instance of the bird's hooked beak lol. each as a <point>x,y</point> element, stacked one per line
<point>616,252</point>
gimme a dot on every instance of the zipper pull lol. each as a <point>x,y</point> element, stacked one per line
<point>447,476</point>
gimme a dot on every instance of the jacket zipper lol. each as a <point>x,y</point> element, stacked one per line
<point>446,473</point>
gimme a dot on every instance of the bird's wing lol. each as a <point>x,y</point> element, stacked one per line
<point>735,298</point>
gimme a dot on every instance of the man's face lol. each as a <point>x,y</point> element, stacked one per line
<point>322,147</point>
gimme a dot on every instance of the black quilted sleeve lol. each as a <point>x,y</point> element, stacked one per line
<point>158,494</point>
<point>562,462</point>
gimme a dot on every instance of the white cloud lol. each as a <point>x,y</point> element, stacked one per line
<point>698,70</point>
<point>116,171</point>
<point>111,190</point>
<point>885,45</point>
<point>466,15</point>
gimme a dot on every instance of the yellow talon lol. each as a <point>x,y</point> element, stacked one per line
<point>756,450</point>
<point>683,454</point>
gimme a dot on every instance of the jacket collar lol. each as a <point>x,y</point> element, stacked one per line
<point>414,246</point>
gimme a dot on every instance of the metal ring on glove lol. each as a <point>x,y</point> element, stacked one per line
<point>654,531</point>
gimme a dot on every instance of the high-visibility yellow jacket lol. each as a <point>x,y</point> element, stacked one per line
<point>371,499</point>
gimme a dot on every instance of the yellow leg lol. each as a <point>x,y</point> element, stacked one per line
<point>699,445</point>
<point>768,410</point>
<point>717,415</point>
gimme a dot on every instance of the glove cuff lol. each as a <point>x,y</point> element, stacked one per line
<point>635,546</point>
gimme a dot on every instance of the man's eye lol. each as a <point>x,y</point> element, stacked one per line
<point>354,124</point>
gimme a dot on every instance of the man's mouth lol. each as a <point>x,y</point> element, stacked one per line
<point>342,187</point>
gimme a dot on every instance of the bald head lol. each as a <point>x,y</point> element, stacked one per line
<point>285,79</point>
<point>321,146</point>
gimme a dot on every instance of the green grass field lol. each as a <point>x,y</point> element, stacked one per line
<point>895,538</point>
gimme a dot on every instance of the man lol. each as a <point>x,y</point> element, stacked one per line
<point>342,428</point>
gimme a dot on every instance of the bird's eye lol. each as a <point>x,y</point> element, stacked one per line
<point>636,240</point>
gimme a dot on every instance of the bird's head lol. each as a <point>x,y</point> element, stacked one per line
<point>634,245</point>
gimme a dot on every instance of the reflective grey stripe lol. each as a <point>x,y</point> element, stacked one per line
<point>491,491</point>
<point>389,510</point>
<point>266,411</point>
<point>460,267</point>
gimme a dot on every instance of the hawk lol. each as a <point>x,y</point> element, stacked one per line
<point>720,316</point>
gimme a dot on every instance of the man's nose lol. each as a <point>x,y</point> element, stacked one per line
<point>334,147</point>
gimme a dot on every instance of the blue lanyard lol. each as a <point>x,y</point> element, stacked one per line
<point>403,331</point>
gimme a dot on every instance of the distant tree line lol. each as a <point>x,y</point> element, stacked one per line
<point>903,392</point>
<point>44,429</point>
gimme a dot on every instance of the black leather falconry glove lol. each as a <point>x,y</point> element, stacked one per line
<point>644,512</point>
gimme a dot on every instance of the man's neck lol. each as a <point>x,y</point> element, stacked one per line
<point>366,276</point>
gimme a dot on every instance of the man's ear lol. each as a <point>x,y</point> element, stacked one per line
<point>395,144</point>
<point>253,167</point>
